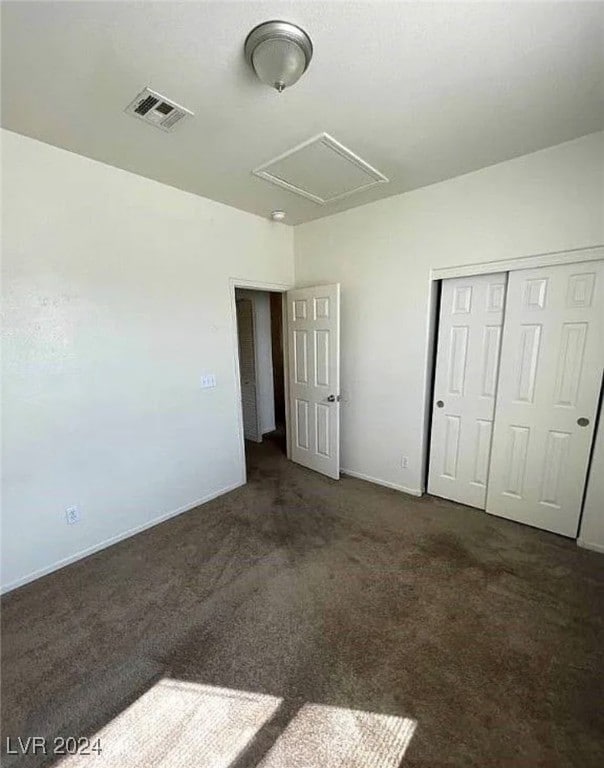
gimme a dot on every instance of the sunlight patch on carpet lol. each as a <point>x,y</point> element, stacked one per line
<point>332,737</point>
<point>178,724</point>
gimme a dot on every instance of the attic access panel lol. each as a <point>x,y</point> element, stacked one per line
<point>321,169</point>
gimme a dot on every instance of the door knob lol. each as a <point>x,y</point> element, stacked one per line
<point>333,398</point>
<point>582,422</point>
<point>439,404</point>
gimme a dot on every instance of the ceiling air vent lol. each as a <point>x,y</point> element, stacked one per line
<point>154,108</point>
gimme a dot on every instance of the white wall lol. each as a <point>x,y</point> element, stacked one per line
<point>116,300</point>
<point>264,358</point>
<point>383,253</point>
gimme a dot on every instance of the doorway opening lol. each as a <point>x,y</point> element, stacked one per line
<point>260,345</point>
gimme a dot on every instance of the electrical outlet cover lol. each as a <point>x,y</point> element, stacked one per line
<point>72,515</point>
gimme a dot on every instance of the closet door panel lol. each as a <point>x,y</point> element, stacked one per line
<point>552,357</point>
<point>467,366</point>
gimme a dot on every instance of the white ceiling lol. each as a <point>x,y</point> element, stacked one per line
<point>421,91</point>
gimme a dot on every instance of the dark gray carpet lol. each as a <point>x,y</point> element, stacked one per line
<point>489,634</point>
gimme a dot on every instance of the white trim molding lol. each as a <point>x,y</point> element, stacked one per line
<point>593,253</point>
<point>590,545</point>
<point>255,285</point>
<point>384,483</point>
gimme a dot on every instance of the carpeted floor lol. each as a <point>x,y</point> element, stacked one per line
<point>488,634</point>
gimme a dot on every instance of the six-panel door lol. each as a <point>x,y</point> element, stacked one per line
<point>469,335</point>
<point>314,377</point>
<point>551,373</point>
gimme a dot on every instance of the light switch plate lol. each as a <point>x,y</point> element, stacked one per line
<point>208,381</point>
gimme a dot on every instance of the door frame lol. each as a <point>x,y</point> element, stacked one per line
<point>554,258</point>
<point>257,285</point>
<point>574,256</point>
<point>255,356</point>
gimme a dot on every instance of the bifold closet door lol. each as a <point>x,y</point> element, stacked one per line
<point>552,357</point>
<point>467,357</point>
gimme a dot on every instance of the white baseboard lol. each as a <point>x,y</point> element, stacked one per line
<point>115,539</point>
<point>385,483</point>
<point>590,545</point>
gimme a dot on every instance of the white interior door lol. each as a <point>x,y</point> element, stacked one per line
<point>552,358</point>
<point>247,369</point>
<point>313,328</point>
<point>467,357</point>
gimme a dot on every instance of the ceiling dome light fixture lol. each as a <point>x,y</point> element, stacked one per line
<point>278,215</point>
<point>279,53</point>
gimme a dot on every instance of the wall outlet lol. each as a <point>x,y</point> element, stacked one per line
<point>72,515</point>
<point>405,462</point>
<point>208,381</point>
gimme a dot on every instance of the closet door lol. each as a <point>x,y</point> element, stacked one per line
<point>552,358</point>
<point>471,314</point>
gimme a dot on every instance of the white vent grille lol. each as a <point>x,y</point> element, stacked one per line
<point>157,110</point>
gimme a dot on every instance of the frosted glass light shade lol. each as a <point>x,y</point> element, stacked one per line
<point>279,63</point>
<point>279,53</point>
